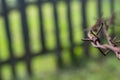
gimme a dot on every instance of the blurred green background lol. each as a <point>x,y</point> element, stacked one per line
<point>44,66</point>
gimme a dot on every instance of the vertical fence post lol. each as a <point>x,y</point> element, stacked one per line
<point>73,56</point>
<point>25,35</point>
<point>99,3</point>
<point>7,28</point>
<point>41,25</point>
<point>84,26</point>
<point>112,13</point>
<point>0,71</point>
<point>112,2</point>
<point>59,55</point>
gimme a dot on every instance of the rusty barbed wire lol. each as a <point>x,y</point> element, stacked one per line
<point>103,25</point>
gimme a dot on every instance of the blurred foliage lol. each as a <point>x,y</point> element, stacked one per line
<point>44,67</point>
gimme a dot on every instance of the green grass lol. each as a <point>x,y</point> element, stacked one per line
<point>44,67</point>
<point>103,69</point>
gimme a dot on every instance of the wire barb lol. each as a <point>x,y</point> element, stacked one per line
<point>93,36</point>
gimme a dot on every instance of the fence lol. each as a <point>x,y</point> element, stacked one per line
<point>21,7</point>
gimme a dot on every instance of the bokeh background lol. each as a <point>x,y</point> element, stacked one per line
<point>41,40</point>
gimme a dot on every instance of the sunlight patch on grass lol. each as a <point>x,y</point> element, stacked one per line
<point>4,53</point>
<point>66,57</point>
<point>78,51</point>
<point>106,9</point>
<point>21,70</point>
<point>16,33</point>
<point>44,63</point>
<point>34,28</point>
<point>117,4</point>
<point>7,72</point>
<point>76,21</point>
<point>91,12</point>
<point>49,28</point>
<point>63,26</point>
